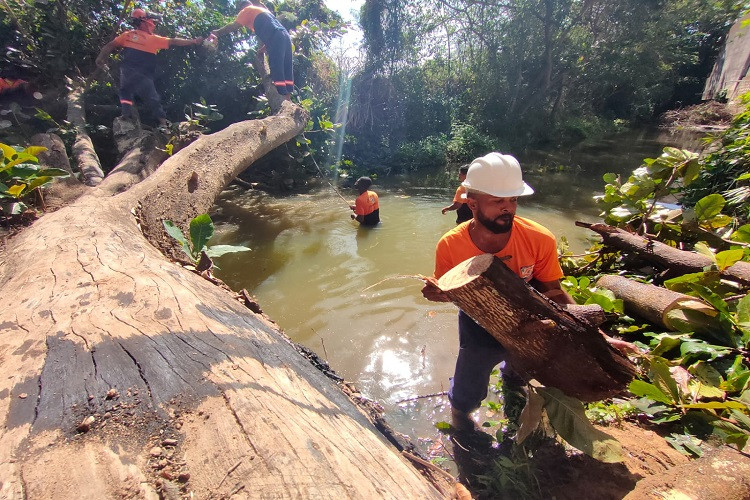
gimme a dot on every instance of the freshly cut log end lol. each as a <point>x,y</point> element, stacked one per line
<point>543,340</point>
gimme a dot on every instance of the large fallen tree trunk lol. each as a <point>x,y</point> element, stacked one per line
<point>676,262</point>
<point>544,341</point>
<point>128,375</point>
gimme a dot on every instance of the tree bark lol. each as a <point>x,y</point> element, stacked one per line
<point>676,262</point>
<point>651,302</point>
<point>128,375</point>
<point>544,341</point>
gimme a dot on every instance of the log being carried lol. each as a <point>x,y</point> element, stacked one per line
<point>501,318</point>
<point>544,341</point>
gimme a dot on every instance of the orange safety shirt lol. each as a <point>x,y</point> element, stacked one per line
<point>247,16</point>
<point>139,50</point>
<point>457,198</point>
<point>140,40</point>
<point>366,203</point>
<point>531,246</point>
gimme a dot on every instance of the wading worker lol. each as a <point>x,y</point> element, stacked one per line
<point>275,39</point>
<point>366,207</point>
<point>493,184</point>
<point>139,48</point>
<point>463,212</point>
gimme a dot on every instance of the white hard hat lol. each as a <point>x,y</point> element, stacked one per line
<point>498,175</point>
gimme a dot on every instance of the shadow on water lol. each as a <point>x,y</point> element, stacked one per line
<point>341,290</point>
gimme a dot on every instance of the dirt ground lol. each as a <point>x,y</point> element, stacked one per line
<point>652,469</point>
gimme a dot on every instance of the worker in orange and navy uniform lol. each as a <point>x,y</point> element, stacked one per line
<point>463,212</point>
<point>139,48</point>
<point>366,207</point>
<point>275,39</point>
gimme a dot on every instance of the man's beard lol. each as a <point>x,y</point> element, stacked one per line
<point>499,225</point>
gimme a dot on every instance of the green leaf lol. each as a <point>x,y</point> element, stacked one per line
<point>650,391</point>
<point>662,378</point>
<point>741,234</point>
<point>176,233</point>
<point>715,405</point>
<point>16,190</point>
<point>727,258</point>
<point>8,152</point>
<point>609,178</point>
<point>443,426</point>
<point>53,172</point>
<point>568,417</point>
<point>201,230</point>
<point>35,150</point>
<point>219,250</point>
<point>709,206</point>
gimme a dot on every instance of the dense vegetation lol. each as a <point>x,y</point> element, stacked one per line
<point>442,80</point>
<point>449,79</point>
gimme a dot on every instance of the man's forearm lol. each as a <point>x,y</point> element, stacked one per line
<point>226,29</point>
<point>183,42</point>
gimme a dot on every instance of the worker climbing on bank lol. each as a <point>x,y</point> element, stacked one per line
<point>274,38</point>
<point>138,66</point>
<point>366,207</point>
<point>463,212</point>
<point>494,183</point>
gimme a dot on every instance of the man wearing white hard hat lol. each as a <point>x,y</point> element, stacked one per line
<point>493,184</point>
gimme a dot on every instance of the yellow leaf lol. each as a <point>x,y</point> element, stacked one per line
<point>16,190</point>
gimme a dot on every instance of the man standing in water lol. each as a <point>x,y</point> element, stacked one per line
<point>494,183</point>
<point>366,207</point>
<point>463,212</point>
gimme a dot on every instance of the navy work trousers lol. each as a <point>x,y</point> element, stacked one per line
<point>478,354</point>
<point>132,84</point>
<point>280,61</point>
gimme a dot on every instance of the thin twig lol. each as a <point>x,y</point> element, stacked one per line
<point>398,276</point>
<point>321,343</point>
<point>312,157</point>
<point>429,465</point>
<point>433,395</point>
<point>229,472</point>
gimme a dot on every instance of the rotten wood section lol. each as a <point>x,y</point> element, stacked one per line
<point>674,261</point>
<point>544,341</point>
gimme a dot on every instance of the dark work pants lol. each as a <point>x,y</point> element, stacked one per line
<point>134,83</point>
<point>279,48</point>
<point>478,354</point>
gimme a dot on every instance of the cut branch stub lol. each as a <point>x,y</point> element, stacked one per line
<point>654,304</point>
<point>544,342</point>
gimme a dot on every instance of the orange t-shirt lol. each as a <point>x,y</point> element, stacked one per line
<point>366,203</point>
<point>247,16</point>
<point>140,40</point>
<point>461,190</point>
<point>531,246</point>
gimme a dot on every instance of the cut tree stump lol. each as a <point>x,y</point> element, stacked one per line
<point>654,303</point>
<point>543,340</point>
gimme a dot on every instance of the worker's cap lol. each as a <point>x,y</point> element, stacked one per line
<point>364,182</point>
<point>498,175</point>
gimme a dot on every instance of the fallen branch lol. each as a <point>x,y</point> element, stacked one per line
<point>676,262</point>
